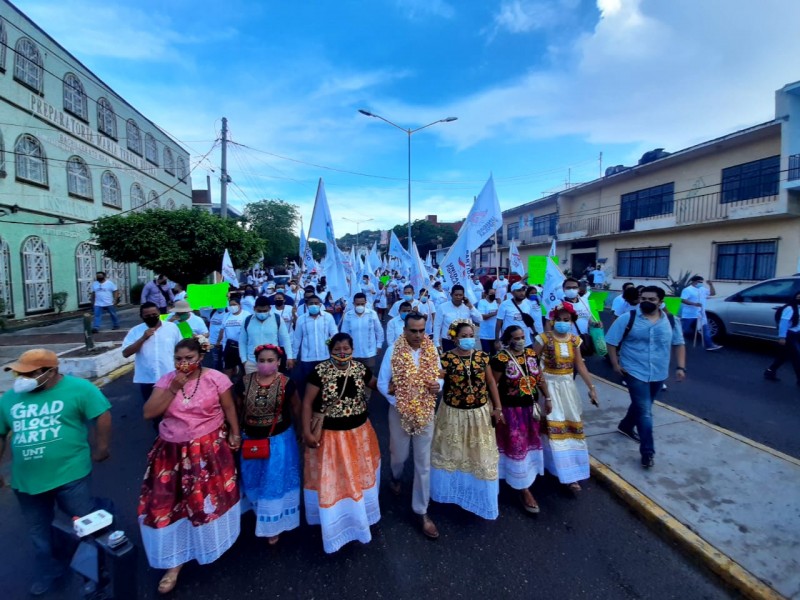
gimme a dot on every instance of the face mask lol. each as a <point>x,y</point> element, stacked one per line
<point>562,327</point>
<point>502,278</point>
<point>491,298</point>
<point>360,310</point>
<point>234,309</point>
<point>280,290</point>
<point>262,316</point>
<point>187,367</point>
<point>517,345</point>
<point>466,343</point>
<point>403,316</point>
<point>151,321</point>
<point>424,299</point>
<point>648,308</point>
<point>183,317</point>
<point>532,297</point>
<point>101,279</point>
<point>341,358</point>
<point>313,309</point>
<point>699,284</point>
<point>408,297</point>
<point>279,303</point>
<point>571,294</point>
<point>267,369</point>
<point>24,385</point>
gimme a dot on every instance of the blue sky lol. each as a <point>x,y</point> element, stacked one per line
<point>540,88</point>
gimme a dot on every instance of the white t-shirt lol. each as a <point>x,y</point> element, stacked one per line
<point>509,314</point>
<point>232,326</point>
<point>104,292</point>
<point>501,288</point>
<point>429,310</point>
<point>584,316</point>
<point>487,325</point>
<point>693,294</point>
<point>599,277</point>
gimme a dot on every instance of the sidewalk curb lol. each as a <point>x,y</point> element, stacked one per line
<point>113,375</point>
<point>692,544</point>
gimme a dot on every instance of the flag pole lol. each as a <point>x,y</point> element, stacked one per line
<point>496,255</point>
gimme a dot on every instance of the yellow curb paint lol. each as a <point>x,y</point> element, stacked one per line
<point>725,567</point>
<point>722,430</point>
<point>113,375</point>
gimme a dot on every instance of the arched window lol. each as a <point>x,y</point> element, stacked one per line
<point>143,275</point>
<point>118,273</point>
<point>28,65</point>
<point>3,44</point>
<point>85,269</point>
<point>111,193</point>
<point>5,279</point>
<point>106,118</point>
<point>79,179</point>
<point>2,155</point>
<point>183,172</point>
<point>134,137</point>
<point>170,205</point>
<point>137,197</point>
<point>153,201</point>
<point>150,149</point>
<point>169,161</point>
<point>75,97</point>
<point>36,270</point>
<point>30,161</point>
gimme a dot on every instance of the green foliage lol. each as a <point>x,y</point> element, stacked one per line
<point>317,249</point>
<point>60,301</point>
<point>186,245</point>
<point>136,292</point>
<point>426,235</point>
<point>274,222</point>
<point>676,286</point>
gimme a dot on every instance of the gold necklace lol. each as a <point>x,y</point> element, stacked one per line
<point>467,367</point>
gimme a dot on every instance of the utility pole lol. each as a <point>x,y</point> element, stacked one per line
<point>600,159</point>
<point>223,192</point>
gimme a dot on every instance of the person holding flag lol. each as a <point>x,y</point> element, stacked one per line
<point>518,311</point>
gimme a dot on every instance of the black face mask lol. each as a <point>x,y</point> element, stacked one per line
<point>278,303</point>
<point>151,321</point>
<point>648,308</point>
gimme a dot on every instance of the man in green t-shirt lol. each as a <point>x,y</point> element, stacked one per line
<point>45,416</point>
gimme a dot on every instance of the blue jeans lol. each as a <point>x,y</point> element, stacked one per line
<point>98,316</point>
<point>689,325</point>
<point>640,412</point>
<point>73,499</point>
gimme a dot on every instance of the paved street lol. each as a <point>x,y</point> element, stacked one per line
<point>589,547</point>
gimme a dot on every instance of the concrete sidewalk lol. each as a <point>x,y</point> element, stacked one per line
<point>731,502</point>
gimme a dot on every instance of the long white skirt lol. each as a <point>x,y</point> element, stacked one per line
<point>566,454</point>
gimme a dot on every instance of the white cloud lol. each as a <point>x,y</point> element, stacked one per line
<point>526,16</point>
<point>415,9</point>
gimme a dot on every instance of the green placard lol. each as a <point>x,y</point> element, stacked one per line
<point>214,295</point>
<point>597,301</point>
<point>537,266</point>
<point>673,304</point>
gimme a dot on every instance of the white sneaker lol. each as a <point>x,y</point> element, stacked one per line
<point>663,386</point>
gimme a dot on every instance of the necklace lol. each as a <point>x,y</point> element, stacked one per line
<point>467,367</point>
<point>187,399</point>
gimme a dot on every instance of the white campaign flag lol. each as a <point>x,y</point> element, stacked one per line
<point>456,267</point>
<point>419,274</point>
<point>322,229</point>
<point>484,218</point>
<point>552,248</point>
<point>396,249</point>
<point>553,292</point>
<point>515,264</point>
<point>374,259</point>
<point>228,272</point>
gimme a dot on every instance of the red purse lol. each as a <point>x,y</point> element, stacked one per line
<point>260,448</point>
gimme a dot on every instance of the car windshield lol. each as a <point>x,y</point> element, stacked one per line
<point>778,290</point>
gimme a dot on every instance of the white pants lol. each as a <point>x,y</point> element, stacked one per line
<point>399,446</point>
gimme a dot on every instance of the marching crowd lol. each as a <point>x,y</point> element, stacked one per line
<point>280,418</point>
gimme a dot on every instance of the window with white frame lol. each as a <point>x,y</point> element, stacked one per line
<point>3,44</point>
<point>106,118</point>
<point>79,179</point>
<point>134,136</point>
<point>75,97</point>
<point>170,205</point>
<point>153,201</point>
<point>169,161</point>
<point>747,261</point>
<point>5,278</point>
<point>30,161</point>
<point>37,274</point>
<point>137,198</point>
<point>183,172</point>
<point>111,193</point>
<point>28,65</point>
<point>150,149</point>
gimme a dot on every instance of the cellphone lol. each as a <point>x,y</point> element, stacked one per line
<point>494,421</point>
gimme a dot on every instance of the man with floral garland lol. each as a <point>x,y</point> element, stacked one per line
<point>410,380</point>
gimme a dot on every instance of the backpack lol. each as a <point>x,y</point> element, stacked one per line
<point>632,318</point>
<point>793,321</point>
<point>277,321</point>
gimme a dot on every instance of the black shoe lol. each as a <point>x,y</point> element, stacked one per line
<point>629,434</point>
<point>647,462</point>
<point>770,375</point>
<point>95,330</point>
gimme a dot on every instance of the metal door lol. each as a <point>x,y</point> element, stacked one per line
<point>5,278</point>
<point>38,279</point>
<point>118,273</point>
<point>85,270</point>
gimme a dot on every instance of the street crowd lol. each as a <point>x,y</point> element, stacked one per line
<point>264,406</point>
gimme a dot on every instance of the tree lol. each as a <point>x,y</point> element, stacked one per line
<point>426,235</point>
<point>274,222</point>
<point>186,245</point>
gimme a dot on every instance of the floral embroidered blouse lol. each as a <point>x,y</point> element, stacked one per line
<point>465,379</point>
<point>558,356</point>
<point>518,377</point>
<point>344,408</point>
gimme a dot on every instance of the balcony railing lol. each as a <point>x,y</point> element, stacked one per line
<point>603,224</point>
<point>794,167</point>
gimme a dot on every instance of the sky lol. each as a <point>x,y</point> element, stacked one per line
<point>540,89</point>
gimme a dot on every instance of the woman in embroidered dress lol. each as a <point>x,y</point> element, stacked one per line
<point>268,407</point>
<point>464,453</point>
<point>189,504</point>
<point>565,452</point>
<point>342,461</point>
<point>516,370</point>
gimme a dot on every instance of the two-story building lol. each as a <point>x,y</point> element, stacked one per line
<point>728,208</point>
<point>71,151</point>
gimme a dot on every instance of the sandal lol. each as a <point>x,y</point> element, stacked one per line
<point>429,528</point>
<point>168,582</point>
<point>531,508</point>
<point>575,487</point>
<point>273,539</point>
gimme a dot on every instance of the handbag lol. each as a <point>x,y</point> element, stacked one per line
<point>526,318</point>
<point>260,448</point>
<point>599,339</point>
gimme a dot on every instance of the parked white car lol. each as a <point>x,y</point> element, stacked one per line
<point>751,312</point>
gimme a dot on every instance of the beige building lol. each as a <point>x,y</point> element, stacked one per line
<point>728,208</point>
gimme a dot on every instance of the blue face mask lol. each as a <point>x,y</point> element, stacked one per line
<point>562,327</point>
<point>408,297</point>
<point>403,316</point>
<point>466,343</point>
<point>313,309</point>
<point>262,316</point>
<point>424,299</point>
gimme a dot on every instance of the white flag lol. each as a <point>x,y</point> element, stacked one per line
<point>515,264</point>
<point>322,229</point>
<point>484,218</point>
<point>456,267</point>
<point>552,248</point>
<point>228,272</point>
<point>419,274</point>
<point>396,249</point>
<point>553,292</point>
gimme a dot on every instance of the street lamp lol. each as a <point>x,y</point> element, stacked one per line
<point>409,132</point>
<point>357,224</point>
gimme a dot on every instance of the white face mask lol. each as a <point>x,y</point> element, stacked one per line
<point>24,385</point>
<point>360,309</point>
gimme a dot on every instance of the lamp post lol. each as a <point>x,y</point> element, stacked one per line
<point>357,224</point>
<point>409,132</point>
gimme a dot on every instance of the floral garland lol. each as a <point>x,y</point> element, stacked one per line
<point>415,404</point>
